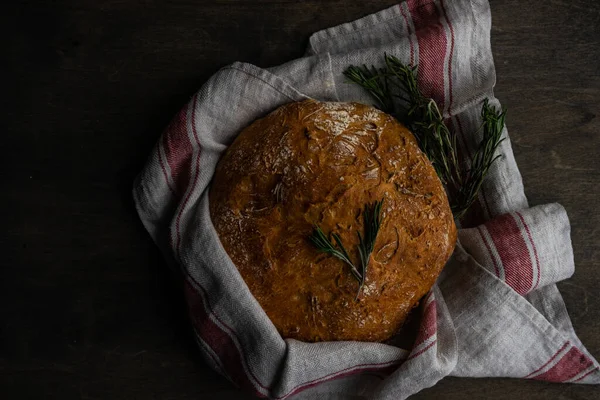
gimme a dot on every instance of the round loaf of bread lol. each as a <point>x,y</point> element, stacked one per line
<point>313,164</point>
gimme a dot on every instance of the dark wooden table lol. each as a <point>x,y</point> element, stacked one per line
<point>87,309</point>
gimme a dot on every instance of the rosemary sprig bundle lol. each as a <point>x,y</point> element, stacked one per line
<point>366,243</point>
<point>424,118</point>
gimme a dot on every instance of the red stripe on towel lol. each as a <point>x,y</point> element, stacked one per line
<point>450,57</point>
<point>418,353</point>
<point>549,361</point>
<point>513,252</point>
<point>178,151</point>
<point>219,341</point>
<point>535,253</point>
<point>428,326</point>
<point>432,41</point>
<point>189,190</point>
<point>570,365</point>
<point>164,169</point>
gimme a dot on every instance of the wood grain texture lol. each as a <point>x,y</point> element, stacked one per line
<point>86,303</point>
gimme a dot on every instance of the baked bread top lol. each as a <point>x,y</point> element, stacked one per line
<point>319,163</point>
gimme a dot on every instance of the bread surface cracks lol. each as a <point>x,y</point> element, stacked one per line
<point>319,163</point>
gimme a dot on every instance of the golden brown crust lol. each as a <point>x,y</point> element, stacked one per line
<point>312,163</point>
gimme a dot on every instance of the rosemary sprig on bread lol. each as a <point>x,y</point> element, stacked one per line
<point>423,117</point>
<point>366,242</point>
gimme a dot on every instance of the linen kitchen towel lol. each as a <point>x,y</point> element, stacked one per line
<point>495,310</point>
